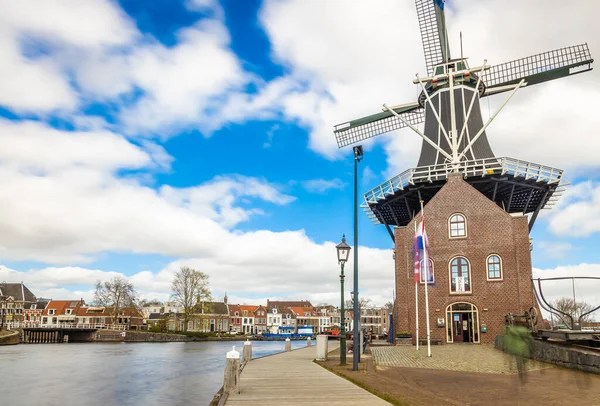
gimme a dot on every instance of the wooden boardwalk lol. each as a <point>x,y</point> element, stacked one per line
<point>292,378</point>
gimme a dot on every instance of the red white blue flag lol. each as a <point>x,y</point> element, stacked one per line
<point>417,260</point>
<point>422,247</point>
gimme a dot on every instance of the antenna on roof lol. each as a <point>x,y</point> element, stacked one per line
<point>461,49</point>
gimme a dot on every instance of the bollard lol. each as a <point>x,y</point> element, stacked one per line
<point>66,338</point>
<point>247,353</point>
<point>322,344</point>
<point>309,342</point>
<point>288,345</point>
<point>231,381</point>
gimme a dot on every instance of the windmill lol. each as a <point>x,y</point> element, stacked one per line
<point>454,134</point>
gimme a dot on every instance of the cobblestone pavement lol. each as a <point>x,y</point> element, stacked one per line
<point>452,357</point>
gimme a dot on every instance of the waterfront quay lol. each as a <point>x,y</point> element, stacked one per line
<point>292,378</point>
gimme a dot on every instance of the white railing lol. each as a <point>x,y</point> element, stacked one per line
<point>98,326</point>
<point>478,167</point>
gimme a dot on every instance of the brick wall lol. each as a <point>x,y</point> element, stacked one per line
<point>490,230</point>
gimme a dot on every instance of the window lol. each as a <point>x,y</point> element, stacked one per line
<point>428,271</point>
<point>494,267</point>
<point>460,275</point>
<point>237,313</point>
<point>51,312</point>
<point>458,226</point>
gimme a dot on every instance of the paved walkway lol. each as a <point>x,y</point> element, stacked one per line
<point>292,378</point>
<point>451,357</point>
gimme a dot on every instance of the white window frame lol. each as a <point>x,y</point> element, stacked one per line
<point>487,268</point>
<point>450,226</point>
<point>466,292</point>
<point>422,276</point>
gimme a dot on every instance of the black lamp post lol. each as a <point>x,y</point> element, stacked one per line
<point>343,252</point>
<point>358,155</point>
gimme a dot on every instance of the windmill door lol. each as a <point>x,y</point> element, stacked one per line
<point>457,321</point>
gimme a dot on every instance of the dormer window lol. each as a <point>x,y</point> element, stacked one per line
<point>457,226</point>
<point>51,312</point>
<point>68,311</point>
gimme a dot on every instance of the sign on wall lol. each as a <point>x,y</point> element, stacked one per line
<point>460,284</point>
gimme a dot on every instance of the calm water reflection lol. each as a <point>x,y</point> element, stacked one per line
<point>118,373</point>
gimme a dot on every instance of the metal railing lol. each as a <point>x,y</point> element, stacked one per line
<point>478,167</point>
<point>97,326</point>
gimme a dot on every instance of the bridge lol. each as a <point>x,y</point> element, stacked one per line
<point>37,333</point>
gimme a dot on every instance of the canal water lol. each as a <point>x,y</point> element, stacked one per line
<point>107,374</point>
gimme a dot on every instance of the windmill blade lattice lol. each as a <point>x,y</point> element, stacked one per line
<point>540,68</point>
<point>376,124</point>
<point>433,35</point>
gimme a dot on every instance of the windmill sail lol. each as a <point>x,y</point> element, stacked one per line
<point>376,124</point>
<point>539,68</point>
<point>432,23</point>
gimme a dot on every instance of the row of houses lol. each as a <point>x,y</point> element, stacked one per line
<point>19,306</point>
<point>274,317</point>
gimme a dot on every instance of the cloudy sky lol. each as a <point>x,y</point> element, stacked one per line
<point>139,136</point>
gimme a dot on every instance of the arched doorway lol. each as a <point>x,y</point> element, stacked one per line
<point>462,323</point>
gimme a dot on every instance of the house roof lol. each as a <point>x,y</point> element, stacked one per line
<point>281,304</point>
<point>18,291</point>
<point>249,308</point>
<point>213,308</point>
<point>301,311</point>
<point>60,306</point>
<point>101,311</point>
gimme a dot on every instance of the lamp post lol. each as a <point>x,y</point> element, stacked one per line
<point>358,155</point>
<point>343,252</point>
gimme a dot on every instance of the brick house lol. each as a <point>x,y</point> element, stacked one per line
<point>235,318</point>
<point>14,299</point>
<point>61,312</point>
<point>260,319</point>
<point>481,261</point>
<point>210,317</point>
<point>33,315</point>
<point>102,317</point>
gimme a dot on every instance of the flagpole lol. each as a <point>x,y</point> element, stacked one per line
<point>426,263</point>
<point>417,298</point>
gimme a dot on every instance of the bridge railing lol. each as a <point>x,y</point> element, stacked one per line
<point>98,326</point>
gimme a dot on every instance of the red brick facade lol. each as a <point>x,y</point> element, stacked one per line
<point>490,230</point>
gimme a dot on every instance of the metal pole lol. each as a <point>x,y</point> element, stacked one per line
<point>356,342</point>
<point>342,324</point>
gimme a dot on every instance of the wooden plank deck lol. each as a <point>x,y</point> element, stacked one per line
<point>292,378</point>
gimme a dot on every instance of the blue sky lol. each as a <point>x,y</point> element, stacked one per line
<point>140,136</point>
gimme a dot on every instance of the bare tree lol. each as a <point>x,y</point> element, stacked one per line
<point>189,288</point>
<point>363,303</point>
<point>389,305</point>
<point>116,293</point>
<point>573,308</point>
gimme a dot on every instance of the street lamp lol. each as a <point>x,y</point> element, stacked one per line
<point>343,252</point>
<point>358,155</point>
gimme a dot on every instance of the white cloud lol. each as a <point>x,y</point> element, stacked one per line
<point>577,212</point>
<point>250,267</point>
<point>63,202</point>
<point>323,185</point>
<point>555,249</point>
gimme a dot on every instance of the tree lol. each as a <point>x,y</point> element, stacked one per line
<point>573,309</point>
<point>363,303</point>
<point>116,293</point>
<point>389,306</point>
<point>189,288</point>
